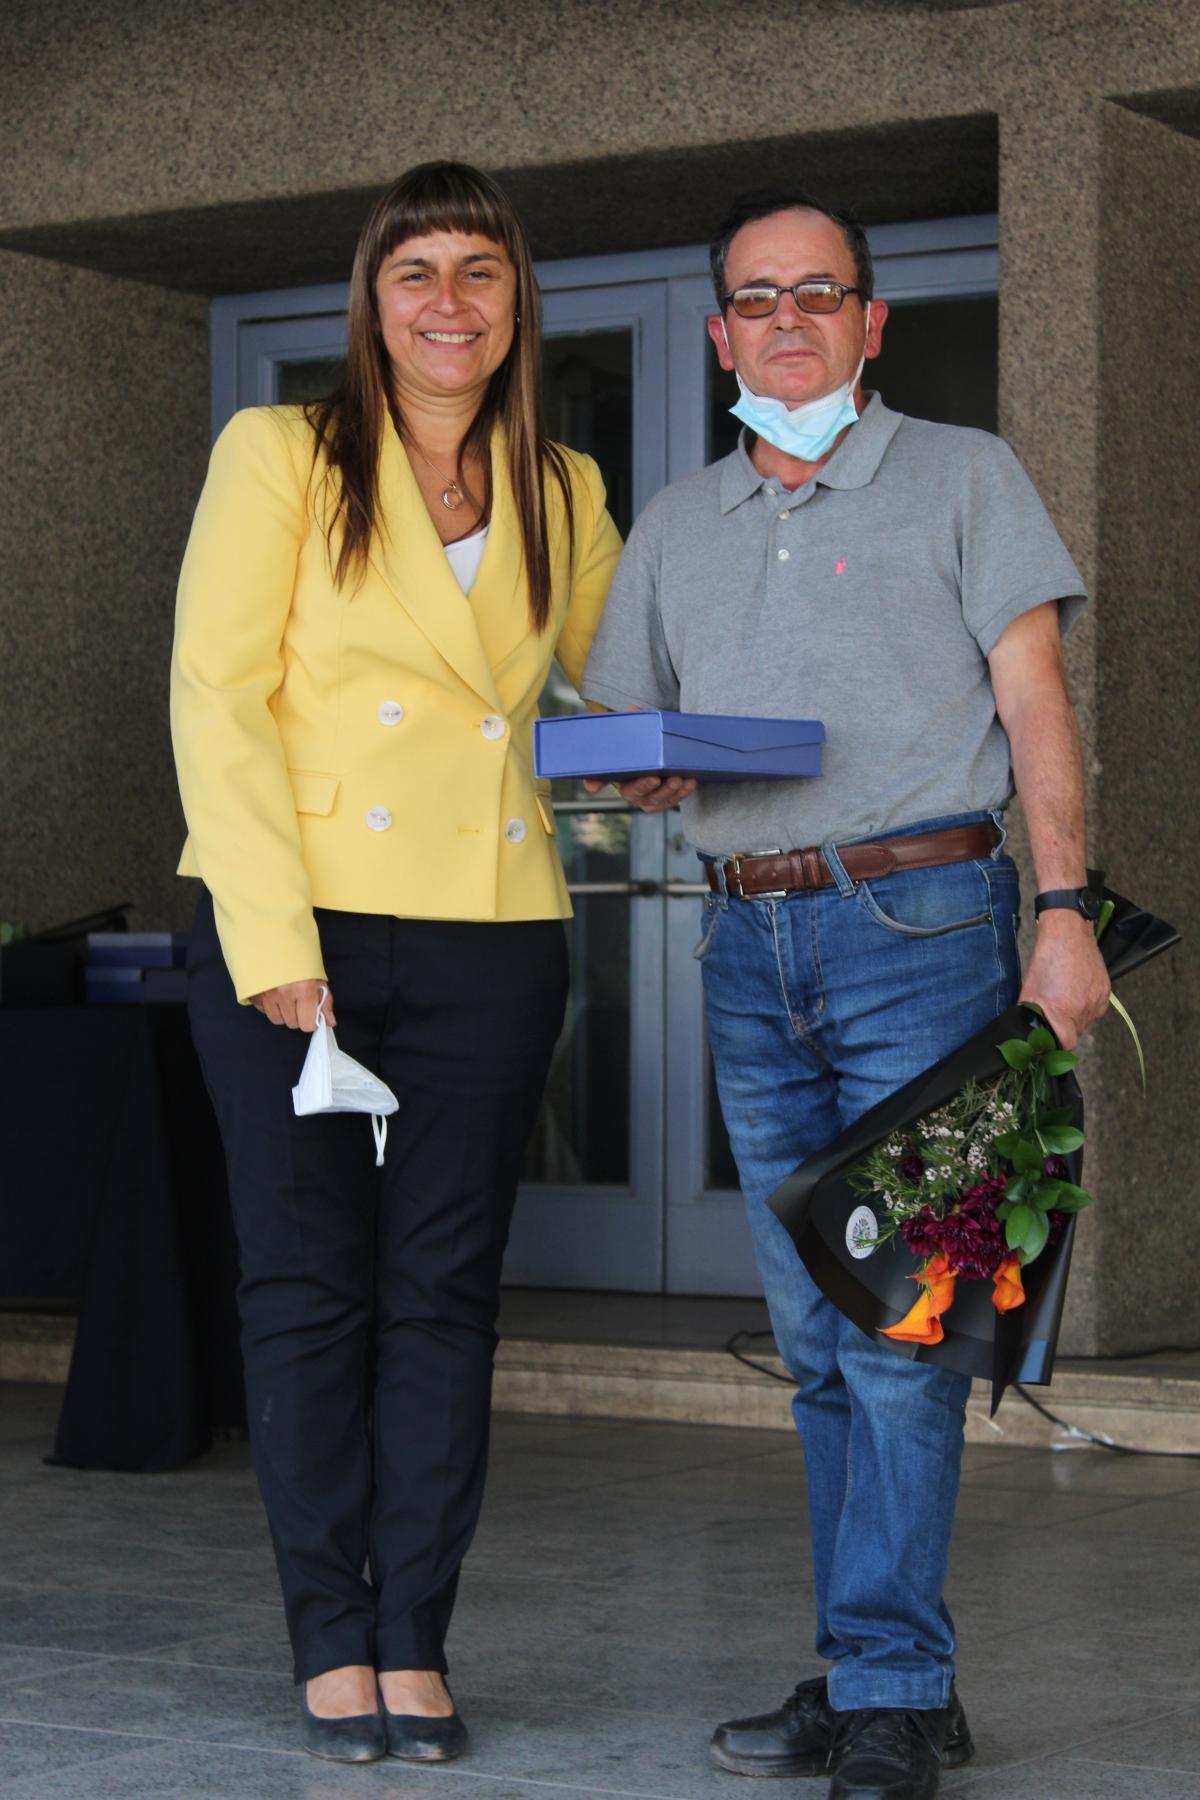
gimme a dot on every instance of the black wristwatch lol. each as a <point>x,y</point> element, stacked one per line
<point>1083,900</point>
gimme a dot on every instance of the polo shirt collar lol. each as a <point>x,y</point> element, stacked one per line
<point>853,464</point>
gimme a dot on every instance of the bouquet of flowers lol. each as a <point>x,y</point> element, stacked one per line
<point>977,1188</point>
<point>966,1182</point>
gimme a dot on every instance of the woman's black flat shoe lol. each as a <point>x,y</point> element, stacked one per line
<point>415,1739</point>
<point>357,1739</point>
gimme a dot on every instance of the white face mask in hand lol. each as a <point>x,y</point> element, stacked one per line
<point>331,1081</point>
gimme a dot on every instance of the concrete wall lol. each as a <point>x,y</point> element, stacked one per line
<point>157,153</point>
<point>102,390</point>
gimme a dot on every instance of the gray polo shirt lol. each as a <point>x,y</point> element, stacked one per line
<point>869,598</point>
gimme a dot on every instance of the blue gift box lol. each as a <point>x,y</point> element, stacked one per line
<point>711,746</point>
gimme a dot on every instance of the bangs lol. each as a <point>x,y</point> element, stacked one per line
<point>444,197</point>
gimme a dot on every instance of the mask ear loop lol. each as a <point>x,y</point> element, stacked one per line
<point>319,1017</point>
<point>379,1127</point>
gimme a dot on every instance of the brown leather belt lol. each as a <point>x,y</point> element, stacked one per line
<point>791,871</point>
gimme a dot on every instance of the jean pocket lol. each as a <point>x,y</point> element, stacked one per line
<point>925,903</point>
<point>710,918</point>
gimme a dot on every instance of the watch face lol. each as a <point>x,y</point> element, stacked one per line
<point>1090,903</point>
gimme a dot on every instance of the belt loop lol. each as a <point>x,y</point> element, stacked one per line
<point>717,864</point>
<point>1002,828</point>
<point>844,884</point>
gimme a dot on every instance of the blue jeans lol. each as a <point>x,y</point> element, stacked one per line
<point>818,1005</point>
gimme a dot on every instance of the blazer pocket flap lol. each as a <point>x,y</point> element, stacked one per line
<point>313,792</point>
<point>545,808</point>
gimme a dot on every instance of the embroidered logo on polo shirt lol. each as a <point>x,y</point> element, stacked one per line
<point>839,567</point>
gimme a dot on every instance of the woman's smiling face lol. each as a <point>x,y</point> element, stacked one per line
<point>446,305</point>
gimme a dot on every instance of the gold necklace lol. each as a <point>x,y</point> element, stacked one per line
<point>452,495</point>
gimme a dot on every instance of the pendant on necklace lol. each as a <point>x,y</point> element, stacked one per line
<point>452,497</point>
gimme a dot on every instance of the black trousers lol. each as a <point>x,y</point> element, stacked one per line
<point>368,1296</point>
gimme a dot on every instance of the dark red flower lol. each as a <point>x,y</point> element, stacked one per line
<point>1056,1168</point>
<point>970,1235</point>
<point>911,1166</point>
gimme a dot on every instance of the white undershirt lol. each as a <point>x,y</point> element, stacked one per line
<point>465,557</point>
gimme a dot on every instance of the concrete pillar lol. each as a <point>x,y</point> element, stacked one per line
<point>1097,332</point>
<point>1147,676</point>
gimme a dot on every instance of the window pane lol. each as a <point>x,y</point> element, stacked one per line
<point>720,1170</point>
<point>589,407</point>
<point>582,1133</point>
<point>307,379</point>
<point>939,361</point>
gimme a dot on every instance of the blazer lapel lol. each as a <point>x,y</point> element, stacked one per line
<point>410,556</point>
<point>500,595</point>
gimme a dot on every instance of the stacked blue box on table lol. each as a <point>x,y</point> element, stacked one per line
<point>136,968</point>
<point>710,746</point>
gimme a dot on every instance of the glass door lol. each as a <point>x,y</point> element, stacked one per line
<point>591,1212</point>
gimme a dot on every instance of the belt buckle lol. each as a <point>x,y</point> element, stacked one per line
<point>767,893</point>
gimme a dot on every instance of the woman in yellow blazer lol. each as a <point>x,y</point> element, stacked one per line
<point>372,594</point>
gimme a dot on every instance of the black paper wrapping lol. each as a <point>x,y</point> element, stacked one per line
<point>816,1203</point>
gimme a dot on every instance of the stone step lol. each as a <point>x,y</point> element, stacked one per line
<point>35,1346</point>
<point>1135,1404</point>
<point>1147,1403</point>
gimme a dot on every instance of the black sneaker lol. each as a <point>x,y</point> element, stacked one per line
<point>794,1740</point>
<point>888,1753</point>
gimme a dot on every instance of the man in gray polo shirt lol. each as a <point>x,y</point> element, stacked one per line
<point>901,581</point>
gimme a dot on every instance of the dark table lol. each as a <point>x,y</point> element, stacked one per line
<point>112,1189</point>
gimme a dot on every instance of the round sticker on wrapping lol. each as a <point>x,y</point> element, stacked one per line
<point>862,1232</point>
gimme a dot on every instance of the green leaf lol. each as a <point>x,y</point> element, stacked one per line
<point>1070,1198</point>
<point>1121,1012</point>
<point>1034,1240</point>
<point>1056,1115</point>
<point>1045,1195</point>
<point>1061,1062</point>
<point>1060,1140</point>
<point>1041,1039</point>
<point>1016,1053</point>
<point>1006,1143</point>
<point>1028,1155</point>
<point>1017,1190</point>
<point>1003,1210</point>
<point>1017,1224</point>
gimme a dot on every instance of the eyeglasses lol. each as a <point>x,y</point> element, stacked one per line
<point>810,297</point>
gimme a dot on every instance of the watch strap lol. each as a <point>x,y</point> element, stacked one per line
<point>1064,899</point>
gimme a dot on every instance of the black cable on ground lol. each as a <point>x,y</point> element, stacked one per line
<point>1099,1438</point>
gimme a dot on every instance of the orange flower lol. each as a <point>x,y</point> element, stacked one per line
<point>1009,1290</point>
<point>922,1324</point>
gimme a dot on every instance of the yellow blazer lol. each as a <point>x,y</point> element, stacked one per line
<point>368,749</point>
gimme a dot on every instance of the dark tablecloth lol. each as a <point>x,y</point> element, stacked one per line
<point>112,1189</point>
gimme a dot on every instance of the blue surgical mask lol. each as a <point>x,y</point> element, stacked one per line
<point>807,431</point>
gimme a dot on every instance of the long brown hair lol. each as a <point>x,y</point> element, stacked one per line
<point>440,196</point>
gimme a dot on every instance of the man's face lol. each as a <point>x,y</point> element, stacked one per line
<point>794,356</point>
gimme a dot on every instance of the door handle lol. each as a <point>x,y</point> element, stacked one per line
<point>642,890</point>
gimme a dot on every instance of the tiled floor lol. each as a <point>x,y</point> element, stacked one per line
<point>631,1584</point>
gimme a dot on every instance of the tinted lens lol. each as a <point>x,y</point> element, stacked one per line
<point>819,296</point>
<point>755,302</point>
